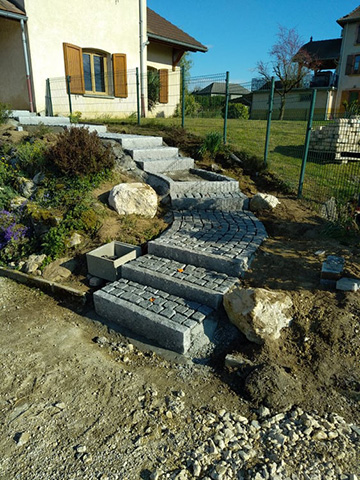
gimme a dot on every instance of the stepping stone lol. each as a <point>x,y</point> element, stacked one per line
<point>166,164</point>
<point>158,153</point>
<point>130,142</point>
<point>195,283</point>
<point>232,201</point>
<point>172,322</point>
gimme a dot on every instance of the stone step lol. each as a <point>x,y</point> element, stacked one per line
<point>21,113</point>
<point>189,281</point>
<point>36,120</point>
<point>158,153</point>
<point>131,142</point>
<point>92,128</point>
<point>172,322</point>
<point>217,240</point>
<point>229,202</point>
<point>166,164</point>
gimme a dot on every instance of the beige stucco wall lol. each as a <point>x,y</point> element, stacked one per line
<point>110,25</point>
<point>348,47</point>
<point>160,57</point>
<point>13,89</point>
<point>295,108</point>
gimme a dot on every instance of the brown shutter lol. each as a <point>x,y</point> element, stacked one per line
<point>164,86</point>
<point>349,64</point>
<point>120,75</point>
<point>74,67</point>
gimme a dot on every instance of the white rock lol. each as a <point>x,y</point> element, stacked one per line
<point>33,263</point>
<point>258,313</point>
<point>74,240</point>
<point>137,198</point>
<point>23,438</point>
<point>263,201</point>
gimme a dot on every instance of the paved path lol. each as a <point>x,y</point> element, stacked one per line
<point>170,295</point>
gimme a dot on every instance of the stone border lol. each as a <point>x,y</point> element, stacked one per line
<point>45,285</point>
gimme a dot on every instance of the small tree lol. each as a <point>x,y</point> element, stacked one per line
<point>290,64</point>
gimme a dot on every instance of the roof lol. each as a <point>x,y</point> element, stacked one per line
<point>350,17</point>
<point>9,7</point>
<point>218,88</point>
<point>327,52</point>
<point>161,30</point>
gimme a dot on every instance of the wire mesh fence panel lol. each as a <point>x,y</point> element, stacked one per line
<point>287,139</point>
<point>332,178</point>
<point>100,95</point>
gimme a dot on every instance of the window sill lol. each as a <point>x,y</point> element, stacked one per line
<point>93,95</point>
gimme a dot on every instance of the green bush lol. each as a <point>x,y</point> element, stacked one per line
<point>79,152</point>
<point>236,110</point>
<point>31,156</point>
<point>5,112</point>
<point>212,144</point>
<point>192,107</point>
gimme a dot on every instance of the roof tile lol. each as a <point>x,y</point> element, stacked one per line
<point>350,17</point>
<point>159,26</point>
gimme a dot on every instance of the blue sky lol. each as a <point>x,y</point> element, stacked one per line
<point>239,33</point>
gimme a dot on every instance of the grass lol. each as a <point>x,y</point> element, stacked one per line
<point>323,179</point>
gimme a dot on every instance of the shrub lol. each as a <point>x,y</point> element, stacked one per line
<point>212,144</point>
<point>79,152</point>
<point>153,85</point>
<point>12,236</point>
<point>4,112</point>
<point>31,156</point>
<point>236,110</point>
<point>75,117</point>
<point>192,107</point>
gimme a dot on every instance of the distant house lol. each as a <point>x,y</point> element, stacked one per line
<point>337,76</point>
<point>99,48</point>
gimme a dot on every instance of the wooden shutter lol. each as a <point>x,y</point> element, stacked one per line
<point>164,86</point>
<point>349,64</point>
<point>74,67</point>
<point>120,75</point>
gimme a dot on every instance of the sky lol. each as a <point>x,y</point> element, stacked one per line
<point>240,33</point>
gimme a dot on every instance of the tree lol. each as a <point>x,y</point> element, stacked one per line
<point>290,64</point>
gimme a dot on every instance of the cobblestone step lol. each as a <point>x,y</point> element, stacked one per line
<point>172,322</point>
<point>188,281</point>
<point>166,164</point>
<point>156,153</point>
<point>217,240</point>
<point>231,201</point>
<point>130,142</point>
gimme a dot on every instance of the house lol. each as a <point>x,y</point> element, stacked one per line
<point>43,43</point>
<point>336,77</point>
<point>218,88</point>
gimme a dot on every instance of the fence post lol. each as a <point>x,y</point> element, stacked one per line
<point>271,105</point>
<point>49,107</point>
<point>307,143</point>
<point>183,96</point>
<point>138,96</point>
<point>226,106</point>
<point>68,81</point>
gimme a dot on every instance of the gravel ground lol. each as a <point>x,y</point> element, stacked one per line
<point>79,401</point>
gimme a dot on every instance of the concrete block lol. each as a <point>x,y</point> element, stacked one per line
<point>332,268</point>
<point>166,165</point>
<point>348,284</point>
<point>35,120</point>
<point>105,261</point>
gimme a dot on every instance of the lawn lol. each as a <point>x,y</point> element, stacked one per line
<point>323,180</point>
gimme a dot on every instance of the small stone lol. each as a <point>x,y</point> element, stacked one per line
<point>60,405</point>
<point>101,340</point>
<point>22,438</point>
<point>86,458</point>
<point>264,412</point>
<point>80,448</point>
<point>319,435</point>
<point>96,282</point>
<point>168,414</point>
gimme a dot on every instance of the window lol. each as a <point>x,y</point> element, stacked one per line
<point>358,34</point>
<point>93,72</point>
<point>353,65</point>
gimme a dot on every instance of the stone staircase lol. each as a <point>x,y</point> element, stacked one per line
<point>171,295</point>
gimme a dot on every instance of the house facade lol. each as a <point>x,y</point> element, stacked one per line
<point>349,65</point>
<point>336,78</point>
<point>97,49</point>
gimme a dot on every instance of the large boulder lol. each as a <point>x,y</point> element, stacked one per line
<point>263,201</point>
<point>258,313</point>
<point>138,198</point>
